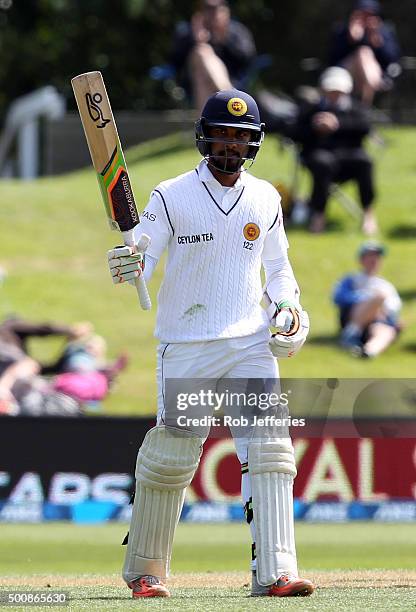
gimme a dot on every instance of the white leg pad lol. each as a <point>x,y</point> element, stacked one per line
<point>166,464</point>
<point>272,470</point>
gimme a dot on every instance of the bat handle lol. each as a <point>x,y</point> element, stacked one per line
<point>141,287</point>
<point>283,321</point>
<point>143,293</point>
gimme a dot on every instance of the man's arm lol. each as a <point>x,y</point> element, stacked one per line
<point>240,45</point>
<point>183,43</point>
<point>341,44</point>
<point>236,50</point>
<point>154,221</point>
<point>282,295</point>
<point>345,292</point>
<point>389,51</point>
<point>280,280</point>
<point>303,131</point>
<point>26,329</point>
<point>356,121</point>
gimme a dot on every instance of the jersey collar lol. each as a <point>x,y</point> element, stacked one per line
<point>213,187</point>
<point>206,176</point>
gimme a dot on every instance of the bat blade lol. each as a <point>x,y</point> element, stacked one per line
<point>105,149</point>
<point>108,160</point>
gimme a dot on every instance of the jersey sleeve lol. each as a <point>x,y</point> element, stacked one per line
<point>275,243</point>
<point>345,292</point>
<point>155,223</point>
<point>280,280</point>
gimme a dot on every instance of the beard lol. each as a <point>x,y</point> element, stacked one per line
<point>226,161</point>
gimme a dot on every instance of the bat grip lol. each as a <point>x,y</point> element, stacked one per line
<point>143,293</point>
<point>141,287</point>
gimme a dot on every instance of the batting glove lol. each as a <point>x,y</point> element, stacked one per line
<point>292,327</point>
<point>124,264</point>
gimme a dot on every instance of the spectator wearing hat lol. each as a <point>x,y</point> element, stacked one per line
<point>213,51</point>
<point>366,46</point>
<point>331,132</point>
<point>369,305</point>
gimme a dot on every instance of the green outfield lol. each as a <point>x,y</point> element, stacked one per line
<point>355,566</point>
<point>54,240</point>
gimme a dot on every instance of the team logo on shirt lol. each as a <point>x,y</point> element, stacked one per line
<point>237,107</point>
<point>251,231</point>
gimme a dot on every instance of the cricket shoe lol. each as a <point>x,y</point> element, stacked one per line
<point>148,586</point>
<point>286,586</point>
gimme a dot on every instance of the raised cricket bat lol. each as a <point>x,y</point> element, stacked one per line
<point>108,159</point>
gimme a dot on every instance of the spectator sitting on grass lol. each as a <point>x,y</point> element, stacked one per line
<point>15,362</point>
<point>82,371</point>
<point>80,374</point>
<point>368,305</point>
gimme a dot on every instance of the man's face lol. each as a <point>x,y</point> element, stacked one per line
<point>371,262</point>
<point>230,148</point>
<point>216,17</point>
<point>333,97</point>
<point>365,17</point>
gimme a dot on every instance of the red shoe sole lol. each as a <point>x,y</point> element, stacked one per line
<point>299,588</point>
<point>151,593</point>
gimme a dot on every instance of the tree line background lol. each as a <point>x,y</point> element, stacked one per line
<point>48,41</point>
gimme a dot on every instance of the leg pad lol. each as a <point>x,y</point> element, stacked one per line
<point>272,470</point>
<point>166,464</point>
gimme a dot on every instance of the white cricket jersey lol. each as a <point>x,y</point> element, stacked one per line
<point>216,241</point>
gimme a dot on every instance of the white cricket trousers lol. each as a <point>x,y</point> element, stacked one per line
<point>247,357</point>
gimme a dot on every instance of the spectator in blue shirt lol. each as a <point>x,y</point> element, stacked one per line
<point>369,306</point>
<point>366,46</point>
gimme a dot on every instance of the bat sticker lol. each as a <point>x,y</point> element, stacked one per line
<point>94,110</point>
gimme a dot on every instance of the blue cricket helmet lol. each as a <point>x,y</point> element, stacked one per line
<point>230,108</point>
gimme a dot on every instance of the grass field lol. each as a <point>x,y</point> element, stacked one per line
<point>54,240</point>
<point>355,567</point>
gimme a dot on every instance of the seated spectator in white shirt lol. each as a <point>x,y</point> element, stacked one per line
<point>369,306</point>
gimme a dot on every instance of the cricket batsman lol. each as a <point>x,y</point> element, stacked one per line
<point>220,225</point>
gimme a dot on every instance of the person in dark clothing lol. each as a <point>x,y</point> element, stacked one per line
<point>331,133</point>
<point>213,51</point>
<point>366,46</point>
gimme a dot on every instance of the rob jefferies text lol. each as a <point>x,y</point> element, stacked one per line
<point>238,403</point>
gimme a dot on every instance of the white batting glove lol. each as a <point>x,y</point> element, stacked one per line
<point>124,264</point>
<point>292,327</point>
